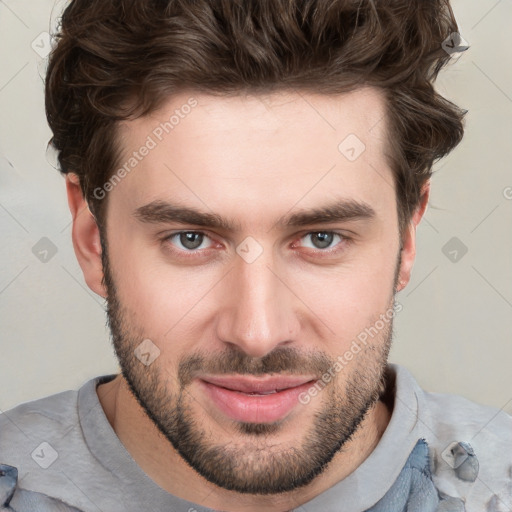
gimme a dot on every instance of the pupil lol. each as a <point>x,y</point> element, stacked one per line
<point>191,240</point>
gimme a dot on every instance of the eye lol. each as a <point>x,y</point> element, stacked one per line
<point>190,241</point>
<point>323,239</point>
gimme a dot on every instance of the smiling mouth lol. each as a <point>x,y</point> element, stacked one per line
<point>261,393</point>
<point>255,400</point>
<point>258,385</point>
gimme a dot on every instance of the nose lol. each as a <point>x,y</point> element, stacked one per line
<point>258,312</point>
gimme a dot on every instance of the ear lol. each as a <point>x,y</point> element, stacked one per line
<point>86,236</point>
<point>408,253</point>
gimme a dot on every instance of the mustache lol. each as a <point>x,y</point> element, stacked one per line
<point>281,360</point>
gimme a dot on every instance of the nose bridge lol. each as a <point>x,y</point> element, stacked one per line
<point>258,315</point>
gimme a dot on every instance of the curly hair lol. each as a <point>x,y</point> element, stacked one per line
<point>121,59</point>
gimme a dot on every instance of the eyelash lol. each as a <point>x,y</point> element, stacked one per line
<point>345,240</point>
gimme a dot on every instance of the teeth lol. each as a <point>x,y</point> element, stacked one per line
<point>262,393</point>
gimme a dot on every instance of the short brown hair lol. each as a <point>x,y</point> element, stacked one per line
<point>120,59</point>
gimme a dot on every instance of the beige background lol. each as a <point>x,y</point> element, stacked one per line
<point>455,330</point>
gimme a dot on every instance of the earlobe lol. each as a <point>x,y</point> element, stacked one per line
<point>408,251</point>
<point>85,236</point>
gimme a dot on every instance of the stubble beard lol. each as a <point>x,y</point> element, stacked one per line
<point>248,460</point>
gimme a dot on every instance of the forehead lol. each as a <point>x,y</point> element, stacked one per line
<point>257,149</point>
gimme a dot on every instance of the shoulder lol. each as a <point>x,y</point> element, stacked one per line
<point>36,418</point>
<point>447,415</point>
<point>456,414</point>
<point>33,434</point>
<point>32,437</point>
<point>471,450</point>
<point>44,444</point>
<point>33,429</point>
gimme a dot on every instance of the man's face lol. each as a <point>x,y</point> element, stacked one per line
<point>267,301</point>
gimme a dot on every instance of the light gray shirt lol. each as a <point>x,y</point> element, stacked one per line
<point>63,447</point>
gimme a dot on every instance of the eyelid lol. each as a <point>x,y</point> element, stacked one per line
<point>329,250</point>
<point>169,236</point>
<point>194,253</point>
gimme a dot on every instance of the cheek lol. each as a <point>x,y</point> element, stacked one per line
<point>350,298</point>
<point>170,302</point>
<point>159,297</point>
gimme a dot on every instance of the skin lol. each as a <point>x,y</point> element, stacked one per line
<point>253,159</point>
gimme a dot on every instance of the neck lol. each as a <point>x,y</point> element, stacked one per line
<point>158,459</point>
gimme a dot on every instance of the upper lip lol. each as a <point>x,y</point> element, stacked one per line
<point>258,384</point>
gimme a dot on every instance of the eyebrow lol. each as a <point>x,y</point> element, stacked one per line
<point>161,212</point>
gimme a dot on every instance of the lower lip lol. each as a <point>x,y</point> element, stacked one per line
<point>254,408</point>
